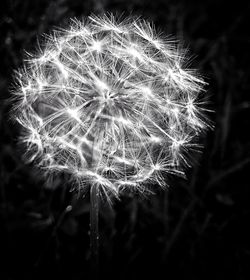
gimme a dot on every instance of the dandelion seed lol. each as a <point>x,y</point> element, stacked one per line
<point>97,46</point>
<point>73,113</point>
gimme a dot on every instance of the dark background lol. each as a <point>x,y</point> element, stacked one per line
<point>199,228</point>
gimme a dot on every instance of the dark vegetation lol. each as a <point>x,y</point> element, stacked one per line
<point>199,228</point>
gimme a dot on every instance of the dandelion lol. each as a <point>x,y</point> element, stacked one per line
<point>111,103</point>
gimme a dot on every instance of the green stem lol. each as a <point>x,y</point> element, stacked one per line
<point>94,229</point>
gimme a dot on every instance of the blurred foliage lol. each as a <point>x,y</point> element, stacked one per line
<point>199,227</point>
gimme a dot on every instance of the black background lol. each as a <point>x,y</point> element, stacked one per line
<point>199,228</point>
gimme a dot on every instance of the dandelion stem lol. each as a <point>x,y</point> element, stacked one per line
<point>94,230</point>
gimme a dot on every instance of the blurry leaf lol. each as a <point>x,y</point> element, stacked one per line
<point>70,226</point>
<point>225,199</point>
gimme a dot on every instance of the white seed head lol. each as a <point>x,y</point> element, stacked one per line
<point>111,103</point>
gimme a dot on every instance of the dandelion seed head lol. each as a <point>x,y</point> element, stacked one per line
<point>111,103</point>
